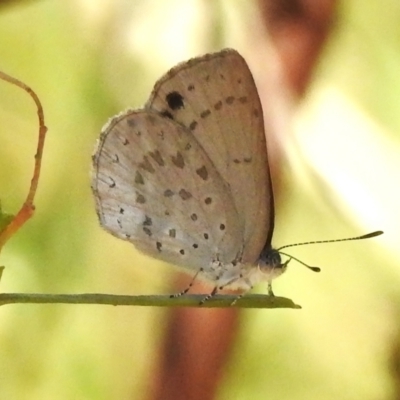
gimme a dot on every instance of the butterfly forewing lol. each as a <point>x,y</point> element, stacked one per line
<point>215,98</point>
<point>156,187</point>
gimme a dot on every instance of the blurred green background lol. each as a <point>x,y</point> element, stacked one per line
<point>88,60</point>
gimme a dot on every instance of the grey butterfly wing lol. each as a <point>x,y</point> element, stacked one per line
<point>155,186</point>
<point>215,97</point>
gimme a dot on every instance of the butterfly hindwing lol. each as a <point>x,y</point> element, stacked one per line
<point>156,187</point>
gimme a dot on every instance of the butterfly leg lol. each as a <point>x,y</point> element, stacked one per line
<point>209,296</point>
<point>250,287</point>
<point>239,297</point>
<point>243,293</point>
<point>173,296</point>
<point>270,292</point>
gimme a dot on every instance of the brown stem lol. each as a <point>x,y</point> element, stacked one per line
<point>28,207</point>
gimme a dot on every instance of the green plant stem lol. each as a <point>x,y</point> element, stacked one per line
<point>249,301</point>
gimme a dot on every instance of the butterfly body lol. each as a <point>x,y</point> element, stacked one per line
<point>239,276</point>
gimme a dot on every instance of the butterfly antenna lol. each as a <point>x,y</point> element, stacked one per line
<point>367,236</point>
<point>317,269</point>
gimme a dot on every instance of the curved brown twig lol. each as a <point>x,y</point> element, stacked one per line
<point>28,207</point>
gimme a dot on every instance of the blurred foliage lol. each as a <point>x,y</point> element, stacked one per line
<point>88,60</point>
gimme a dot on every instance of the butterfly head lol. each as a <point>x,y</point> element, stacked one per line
<point>270,263</point>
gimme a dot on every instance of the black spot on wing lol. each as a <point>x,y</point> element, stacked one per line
<point>174,100</point>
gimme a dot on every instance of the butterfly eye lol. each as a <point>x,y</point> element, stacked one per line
<point>270,259</point>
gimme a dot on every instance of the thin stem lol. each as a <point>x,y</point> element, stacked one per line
<point>28,207</point>
<point>248,301</point>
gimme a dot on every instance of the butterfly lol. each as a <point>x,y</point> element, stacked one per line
<point>186,178</point>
